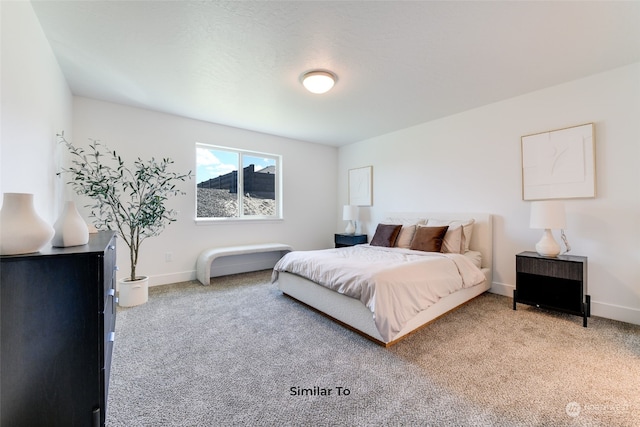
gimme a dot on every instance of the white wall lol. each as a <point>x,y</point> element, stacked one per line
<point>36,103</point>
<point>309,184</point>
<point>471,162</point>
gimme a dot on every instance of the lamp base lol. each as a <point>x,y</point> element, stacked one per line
<point>547,246</point>
<point>351,229</point>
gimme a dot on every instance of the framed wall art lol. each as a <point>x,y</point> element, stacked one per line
<point>559,164</point>
<point>360,186</point>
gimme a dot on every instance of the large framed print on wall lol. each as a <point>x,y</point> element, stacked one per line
<point>559,164</point>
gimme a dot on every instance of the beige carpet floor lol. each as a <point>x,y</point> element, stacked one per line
<point>231,354</point>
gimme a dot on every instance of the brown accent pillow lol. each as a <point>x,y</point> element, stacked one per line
<point>386,235</point>
<point>429,239</point>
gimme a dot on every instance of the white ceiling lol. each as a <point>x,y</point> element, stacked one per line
<point>398,63</point>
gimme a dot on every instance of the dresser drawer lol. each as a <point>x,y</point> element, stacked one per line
<point>110,269</point>
<point>109,318</point>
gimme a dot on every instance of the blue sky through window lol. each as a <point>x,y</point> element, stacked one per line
<point>211,163</point>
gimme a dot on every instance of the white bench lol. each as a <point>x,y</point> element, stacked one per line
<point>206,258</point>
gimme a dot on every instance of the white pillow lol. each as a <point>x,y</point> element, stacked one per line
<point>404,221</point>
<point>407,231</point>
<point>453,242</point>
<point>467,228</point>
<point>406,236</point>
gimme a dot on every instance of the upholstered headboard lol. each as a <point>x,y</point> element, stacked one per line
<point>481,239</point>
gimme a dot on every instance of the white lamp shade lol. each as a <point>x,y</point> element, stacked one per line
<point>349,212</point>
<point>548,214</point>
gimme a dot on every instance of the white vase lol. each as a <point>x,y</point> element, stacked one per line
<point>22,231</point>
<point>70,228</point>
<point>133,292</point>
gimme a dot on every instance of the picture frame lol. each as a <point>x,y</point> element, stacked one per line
<point>361,186</point>
<point>559,164</point>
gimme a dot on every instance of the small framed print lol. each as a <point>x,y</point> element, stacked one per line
<point>360,186</point>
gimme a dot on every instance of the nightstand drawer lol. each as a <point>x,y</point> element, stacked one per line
<point>550,267</point>
<point>342,240</point>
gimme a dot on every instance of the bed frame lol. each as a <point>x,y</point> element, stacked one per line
<point>351,313</point>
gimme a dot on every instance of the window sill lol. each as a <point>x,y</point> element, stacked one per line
<point>218,221</point>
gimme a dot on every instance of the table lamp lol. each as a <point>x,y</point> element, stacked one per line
<point>548,215</point>
<point>350,213</point>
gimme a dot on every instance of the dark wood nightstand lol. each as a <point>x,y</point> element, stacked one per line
<point>553,283</point>
<point>341,240</point>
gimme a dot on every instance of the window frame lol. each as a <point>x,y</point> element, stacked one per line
<point>240,183</point>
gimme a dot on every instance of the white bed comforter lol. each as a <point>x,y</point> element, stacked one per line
<point>394,283</point>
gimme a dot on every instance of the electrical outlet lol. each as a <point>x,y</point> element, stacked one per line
<point>168,256</point>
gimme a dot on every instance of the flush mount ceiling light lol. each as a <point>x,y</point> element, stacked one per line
<point>318,81</point>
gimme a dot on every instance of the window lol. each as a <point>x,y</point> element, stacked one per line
<point>218,183</point>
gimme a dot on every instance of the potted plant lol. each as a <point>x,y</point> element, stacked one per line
<point>130,201</point>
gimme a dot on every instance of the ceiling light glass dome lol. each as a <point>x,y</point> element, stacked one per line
<point>318,81</point>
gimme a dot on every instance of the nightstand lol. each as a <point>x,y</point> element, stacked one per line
<point>342,240</point>
<point>558,283</point>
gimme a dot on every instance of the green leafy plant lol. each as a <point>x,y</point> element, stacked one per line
<point>130,201</point>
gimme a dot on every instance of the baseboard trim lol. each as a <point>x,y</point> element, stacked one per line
<point>167,279</point>
<point>615,312</point>
<point>599,309</point>
<point>502,289</point>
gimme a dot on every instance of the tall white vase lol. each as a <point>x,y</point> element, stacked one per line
<point>70,228</point>
<point>22,231</point>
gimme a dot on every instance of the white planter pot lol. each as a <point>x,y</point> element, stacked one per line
<point>133,292</point>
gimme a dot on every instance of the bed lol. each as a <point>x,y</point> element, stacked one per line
<point>364,314</point>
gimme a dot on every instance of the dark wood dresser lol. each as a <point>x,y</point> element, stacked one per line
<point>57,322</point>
